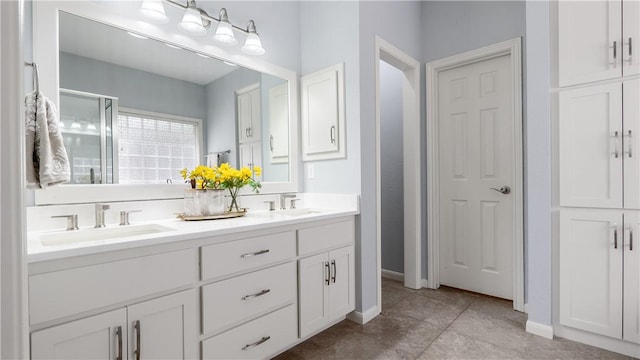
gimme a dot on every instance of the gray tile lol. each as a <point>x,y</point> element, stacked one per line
<point>350,346</point>
<point>435,312</point>
<point>562,349</point>
<point>450,295</point>
<point>391,295</point>
<point>453,345</point>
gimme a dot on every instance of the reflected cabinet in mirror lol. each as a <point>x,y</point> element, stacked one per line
<point>173,105</point>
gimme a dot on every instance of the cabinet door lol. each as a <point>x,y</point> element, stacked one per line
<point>279,124</point>
<point>251,156</point>
<point>591,270</point>
<point>631,144</point>
<point>631,37</point>
<point>631,250</point>
<point>342,282</point>
<point>589,41</point>
<point>323,114</point>
<point>313,283</point>
<point>102,336</point>
<point>164,328</point>
<point>590,145</point>
<point>248,104</point>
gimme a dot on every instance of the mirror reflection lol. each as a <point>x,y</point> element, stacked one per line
<point>136,110</point>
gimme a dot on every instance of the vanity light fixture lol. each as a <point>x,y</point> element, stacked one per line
<point>196,21</point>
<point>154,11</point>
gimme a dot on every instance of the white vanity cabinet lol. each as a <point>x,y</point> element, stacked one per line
<point>162,328</point>
<point>326,275</point>
<point>597,40</point>
<point>322,105</point>
<point>249,117</point>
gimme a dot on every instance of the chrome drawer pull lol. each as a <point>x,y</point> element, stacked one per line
<point>333,277</point>
<point>630,240</point>
<point>261,341</point>
<point>247,297</point>
<point>119,337</point>
<point>327,272</point>
<point>138,350</point>
<point>254,253</point>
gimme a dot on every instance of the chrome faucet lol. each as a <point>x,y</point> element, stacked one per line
<point>283,199</point>
<point>100,209</point>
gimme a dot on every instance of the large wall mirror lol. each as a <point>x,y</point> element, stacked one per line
<point>136,106</point>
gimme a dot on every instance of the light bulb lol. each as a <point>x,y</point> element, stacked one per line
<point>253,45</point>
<point>192,22</point>
<point>224,34</point>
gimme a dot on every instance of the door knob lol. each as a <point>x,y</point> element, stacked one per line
<point>504,190</point>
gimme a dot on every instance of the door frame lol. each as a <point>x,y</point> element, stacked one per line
<point>412,159</point>
<point>513,49</point>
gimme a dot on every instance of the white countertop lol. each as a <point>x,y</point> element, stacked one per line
<point>183,230</point>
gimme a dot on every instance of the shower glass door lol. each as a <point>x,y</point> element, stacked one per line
<point>88,127</point>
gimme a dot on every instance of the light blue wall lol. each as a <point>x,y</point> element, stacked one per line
<point>221,111</point>
<point>134,88</point>
<point>391,158</point>
<point>398,22</point>
<point>538,156</point>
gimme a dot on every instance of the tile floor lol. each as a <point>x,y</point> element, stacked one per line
<point>440,324</point>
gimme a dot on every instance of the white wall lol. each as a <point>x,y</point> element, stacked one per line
<point>391,159</point>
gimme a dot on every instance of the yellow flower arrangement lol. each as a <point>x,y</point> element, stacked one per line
<point>225,177</point>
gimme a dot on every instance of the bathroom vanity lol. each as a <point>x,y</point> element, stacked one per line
<point>247,288</point>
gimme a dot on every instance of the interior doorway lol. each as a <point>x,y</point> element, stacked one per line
<point>474,176</point>
<point>409,69</point>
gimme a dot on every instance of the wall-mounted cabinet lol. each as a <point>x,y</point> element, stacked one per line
<point>250,154</point>
<point>248,103</point>
<point>597,40</point>
<point>598,146</point>
<point>323,114</point>
<point>279,124</point>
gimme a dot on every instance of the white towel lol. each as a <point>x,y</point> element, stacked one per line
<point>47,161</point>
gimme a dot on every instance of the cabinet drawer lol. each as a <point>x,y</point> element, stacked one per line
<point>259,339</point>
<point>241,298</point>
<point>67,292</point>
<point>325,237</point>
<point>234,256</point>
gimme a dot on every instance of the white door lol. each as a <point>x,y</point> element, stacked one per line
<point>164,328</point>
<point>475,161</point>
<point>590,146</point>
<point>314,279</point>
<point>631,251</point>
<point>102,337</point>
<point>631,37</point>
<point>342,282</point>
<point>251,156</point>
<point>589,41</point>
<point>248,104</point>
<point>591,270</point>
<point>279,123</point>
<point>631,143</point>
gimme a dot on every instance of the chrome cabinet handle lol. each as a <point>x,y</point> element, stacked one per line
<point>630,49</point>
<point>333,277</point>
<point>615,150</point>
<point>271,142</point>
<point>332,134</point>
<point>503,190</point>
<point>72,221</point>
<point>138,330</point>
<point>628,143</point>
<point>259,342</point>
<point>261,252</point>
<point>119,337</point>
<point>327,272</point>
<point>615,237</point>
<point>247,297</point>
<point>615,54</point>
<point>630,239</point>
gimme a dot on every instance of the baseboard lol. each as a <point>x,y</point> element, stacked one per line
<point>546,331</point>
<point>604,342</point>
<point>526,308</point>
<point>425,283</point>
<point>392,275</point>
<point>364,317</point>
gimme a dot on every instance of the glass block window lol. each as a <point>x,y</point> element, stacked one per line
<point>155,148</point>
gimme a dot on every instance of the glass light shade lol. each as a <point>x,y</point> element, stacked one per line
<point>253,45</point>
<point>153,10</point>
<point>224,34</point>
<point>192,22</point>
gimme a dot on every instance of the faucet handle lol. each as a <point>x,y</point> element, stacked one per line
<point>124,216</point>
<point>103,206</point>
<point>293,203</point>
<point>72,221</point>
<point>272,205</point>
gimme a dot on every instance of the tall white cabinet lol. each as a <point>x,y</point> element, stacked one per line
<point>599,172</point>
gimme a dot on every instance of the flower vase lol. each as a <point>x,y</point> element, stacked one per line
<point>203,202</point>
<point>234,200</point>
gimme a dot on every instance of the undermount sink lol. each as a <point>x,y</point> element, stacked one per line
<point>296,212</point>
<point>106,233</point>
